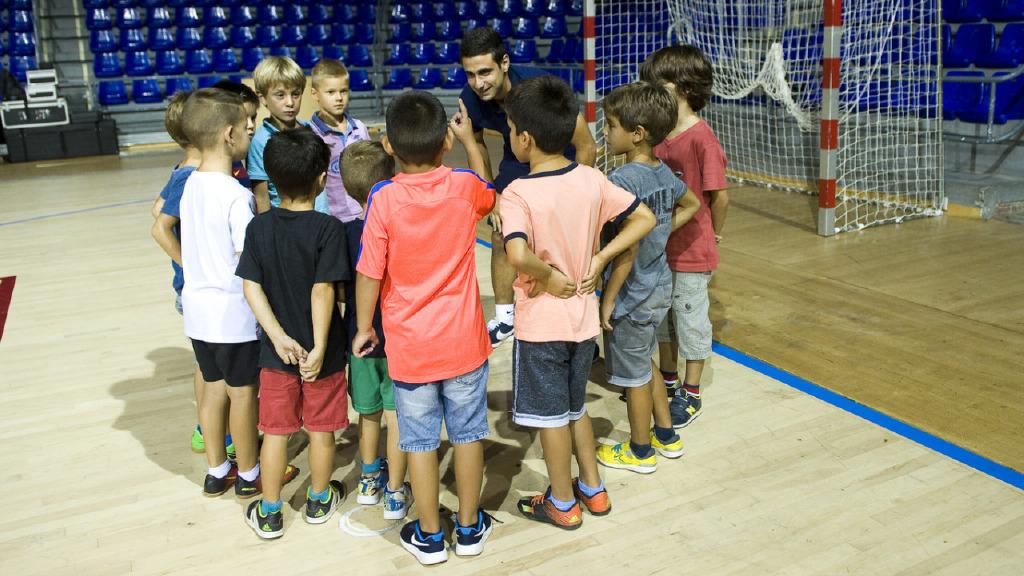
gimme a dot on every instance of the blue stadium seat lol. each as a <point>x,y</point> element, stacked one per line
<point>243,36</point>
<point>963,10</point>
<point>124,3</point>
<point>398,55</point>
<point>960,97</point>
<point>573,50</point>
<point>294,36</point>
<point>367,13</point>
<point>132,39</point>
<point>449,30</point>
<point>216,37</point>
<point>22,44</point>
<point>268,36</point>
<point>422,54</point>
<point>208,81</point>
<point>244,15</point>
<point>281,51</point>
<point>421,12</point>
<point>346,14</point>
<point>306,56</point>
<point>87,4</point>
<point>130,18</point>
<point>137,63</point>
<point>476,22</point>
<point>153,3</point>
<point>487,9</point>
<point>359,55</point>
<point>503,26</point>
<point>524,51</point>
<point>113,92</point>
<point>555,8</point>
<point>318,34</point>
<point>160,17</point>
<point>270,15</point>
<point>554,27</point>
<point>19,21</point>
<point>106,65</point>
<point>534,7</point>
<point>578,82</point>
<point>146,91</point>
<point>225,60</point>
<point>1010,51</point>
<point>970,43</point>
<point>333,52</point>
<point>178,84</point>
<point>198,62</point>
<point>98,19</point>
<point>428,79</point>
<point>216,16</point>
<point>455,78</point>
<point>1009,103</point>
<point>293,14</point>
<point>178,3</point>
<point>399,13</point>
<point>464,10</point>
<point>398,79</point>
<point>359,81</point>
<point>364,33</point>
<point>555,51</point>
<point>510,8</point>
<point>319,14</point>
<point>399,33</point>
<point>526,28</point>
<point>189,38</point>
<point>251,56</point>
<point>101,41</point>
<point>1005,11</point>
<point>444,12</point>
<point>188,17</point>
<point>422,32</point>
<point>344,33</point>
<point>575,8</point>
<point>447,53</point>
<point>168,63</point>
<point>3,51</point>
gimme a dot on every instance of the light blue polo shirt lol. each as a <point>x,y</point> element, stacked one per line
<point>257,173</point>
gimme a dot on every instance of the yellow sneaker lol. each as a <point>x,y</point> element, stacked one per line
<point>620,456</point>
<point>671,449</point>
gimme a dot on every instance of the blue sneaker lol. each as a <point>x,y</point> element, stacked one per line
<point>684,409</point>
<point>427,548</point>
<point>371,486</point>
<point>469,540</point>
<point>397,503</point>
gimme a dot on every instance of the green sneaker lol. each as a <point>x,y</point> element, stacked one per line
<point>197,441</point>
<point>229,447</point>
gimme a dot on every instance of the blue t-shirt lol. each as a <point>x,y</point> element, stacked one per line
<point>491,114</point>
<point>353,236</point>
<point>257,173</point>
<point>172,207</point>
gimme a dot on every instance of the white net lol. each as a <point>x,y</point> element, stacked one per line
<point>767,56</point>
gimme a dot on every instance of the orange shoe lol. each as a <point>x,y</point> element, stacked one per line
<point>599,504</point>
<point>541,509</point>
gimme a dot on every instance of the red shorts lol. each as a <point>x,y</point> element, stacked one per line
<point>288,404</point>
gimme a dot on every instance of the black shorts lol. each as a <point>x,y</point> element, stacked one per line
<point>236,364</point>
<point>549,381</point>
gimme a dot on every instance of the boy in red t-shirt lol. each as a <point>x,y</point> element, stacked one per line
<point>692,150</point>
<point>418,254</point>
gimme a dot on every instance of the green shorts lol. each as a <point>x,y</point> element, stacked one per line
<point>370,386</point>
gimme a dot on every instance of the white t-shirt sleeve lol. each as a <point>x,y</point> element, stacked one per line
<point>240,213</point>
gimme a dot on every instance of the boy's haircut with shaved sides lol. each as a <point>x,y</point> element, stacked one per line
<point>274,70</point>
<point>248,95</point>
<point>328,68</point>
<point>294,160</point>
<point>545,107</point>
<point>173,120</point>
<point>206,112</point>
<point>480,41</point>
<point>686,67</point>
<point>363,165</point>
<point>643,104</point>
<point>416,126</point>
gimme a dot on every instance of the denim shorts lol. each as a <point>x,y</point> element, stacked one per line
<point>549,382</point>
<point>629,347</point>
<point>177,305</point>
<point>461,400</point>
<point>688,324</point>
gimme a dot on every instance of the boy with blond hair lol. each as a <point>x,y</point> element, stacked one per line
<point>336,127</point>
<point>552,220</point>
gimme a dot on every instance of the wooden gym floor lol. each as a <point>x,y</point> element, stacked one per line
<point>923,321</point>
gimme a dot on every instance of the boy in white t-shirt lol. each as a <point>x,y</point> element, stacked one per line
<point>215,211</point>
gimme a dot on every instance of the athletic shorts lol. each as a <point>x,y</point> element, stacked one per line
<point>236,363</point>
<point>371,388</point>
<point>288,404</point>
<point>689,324</point>
<point>461,401</point>
<point>549,381</point>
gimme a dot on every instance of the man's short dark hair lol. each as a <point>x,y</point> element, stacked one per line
<point>686,67</point>
<point>294,160</point>
<point>416,126</point>
<point>248,94</point>
<point>643,104</point>
<point>480,41</point>
<point>545,107</point>
<point>363,165</point>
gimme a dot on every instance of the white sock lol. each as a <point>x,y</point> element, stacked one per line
<point>505,313</point>
<point>251,474</point>
<point>220,471</point>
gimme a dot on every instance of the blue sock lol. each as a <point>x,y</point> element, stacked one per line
<point>227,440</point>
<point>372,467</point>
<point>435,536</point>
<point>588,491</point>
<point>641,450</point>
<point>468,529</point>
<point>664,435</point>
<point>269,507</point>
<point>318,496</point>
<point>563,506</point>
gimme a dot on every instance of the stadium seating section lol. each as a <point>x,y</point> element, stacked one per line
<point>17,37</point>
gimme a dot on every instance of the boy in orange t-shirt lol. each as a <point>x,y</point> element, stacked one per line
<point>552,220</point>
<point>418,254</point>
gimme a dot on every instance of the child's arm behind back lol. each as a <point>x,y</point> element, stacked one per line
<point>634,227</point>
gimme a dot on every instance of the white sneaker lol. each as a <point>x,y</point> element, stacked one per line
<point>499,332</point>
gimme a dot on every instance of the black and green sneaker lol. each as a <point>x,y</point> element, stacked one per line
<point>318,512</point>
<point>268,526</point>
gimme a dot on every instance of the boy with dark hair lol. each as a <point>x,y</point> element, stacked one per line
<point>363,165</point>
<point>437,342</point>
<point>552,222</point>
<point>490,78</point>
<point>292,259</point>
<point>691,149</point>
<point>638,288</point>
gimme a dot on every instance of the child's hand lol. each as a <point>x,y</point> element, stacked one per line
<point>461,125</point>
<point>607,307</point>
<point>290,351</point>
<point>558,285</point>
<point>593,277</point>
<point>309,368</point>
<point>364,343</point>
<point>496,220</point>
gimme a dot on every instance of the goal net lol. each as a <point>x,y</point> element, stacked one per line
<point>769,102</point>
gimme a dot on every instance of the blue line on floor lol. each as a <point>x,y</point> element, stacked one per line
<point>979,463</point>
<point>72,212</point>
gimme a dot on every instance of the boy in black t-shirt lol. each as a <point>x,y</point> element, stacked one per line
<point>292,258</point>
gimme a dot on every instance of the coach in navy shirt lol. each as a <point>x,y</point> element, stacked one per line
<point>490,77</point>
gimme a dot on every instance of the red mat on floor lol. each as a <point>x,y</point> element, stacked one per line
<point>6,291</point>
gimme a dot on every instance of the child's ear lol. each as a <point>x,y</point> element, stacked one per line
<point>449,139</point>
<point>321,182</point>
<point>639,134</point>
<point>387,145</point>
